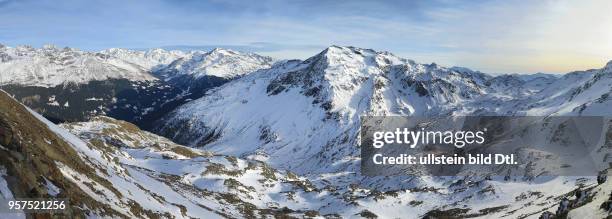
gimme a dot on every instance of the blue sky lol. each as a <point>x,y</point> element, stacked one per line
<point>491,36</point>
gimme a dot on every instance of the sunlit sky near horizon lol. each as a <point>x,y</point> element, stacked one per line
<point>491,36</point>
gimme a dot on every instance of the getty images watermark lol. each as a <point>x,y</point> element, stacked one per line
<point>525,146</point>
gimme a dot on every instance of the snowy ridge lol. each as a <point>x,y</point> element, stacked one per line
<point>50,66</point>
<point>221,63</point>
<point>151,60</point>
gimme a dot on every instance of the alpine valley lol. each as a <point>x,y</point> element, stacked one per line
<point>225,134</point>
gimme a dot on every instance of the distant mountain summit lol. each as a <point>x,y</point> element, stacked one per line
<point>151,59</point>
<point>223,63</point>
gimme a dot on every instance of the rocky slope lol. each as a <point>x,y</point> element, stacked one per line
<point>34,154</point>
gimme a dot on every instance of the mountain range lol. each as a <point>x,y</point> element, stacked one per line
<point>263,137</point>
<point>67,85</point>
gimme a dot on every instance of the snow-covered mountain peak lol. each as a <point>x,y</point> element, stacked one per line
<point>50,66</point>
<point>337,64</point>
<point>339,55</point>
<point>338,75</point>
<point>151,60</point>
<point>334,76</point>
<point>222,63</point>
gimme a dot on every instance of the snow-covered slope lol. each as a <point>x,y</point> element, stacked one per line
<point>111,169</point>
<point>200,184</point>
<point>50,66</point>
